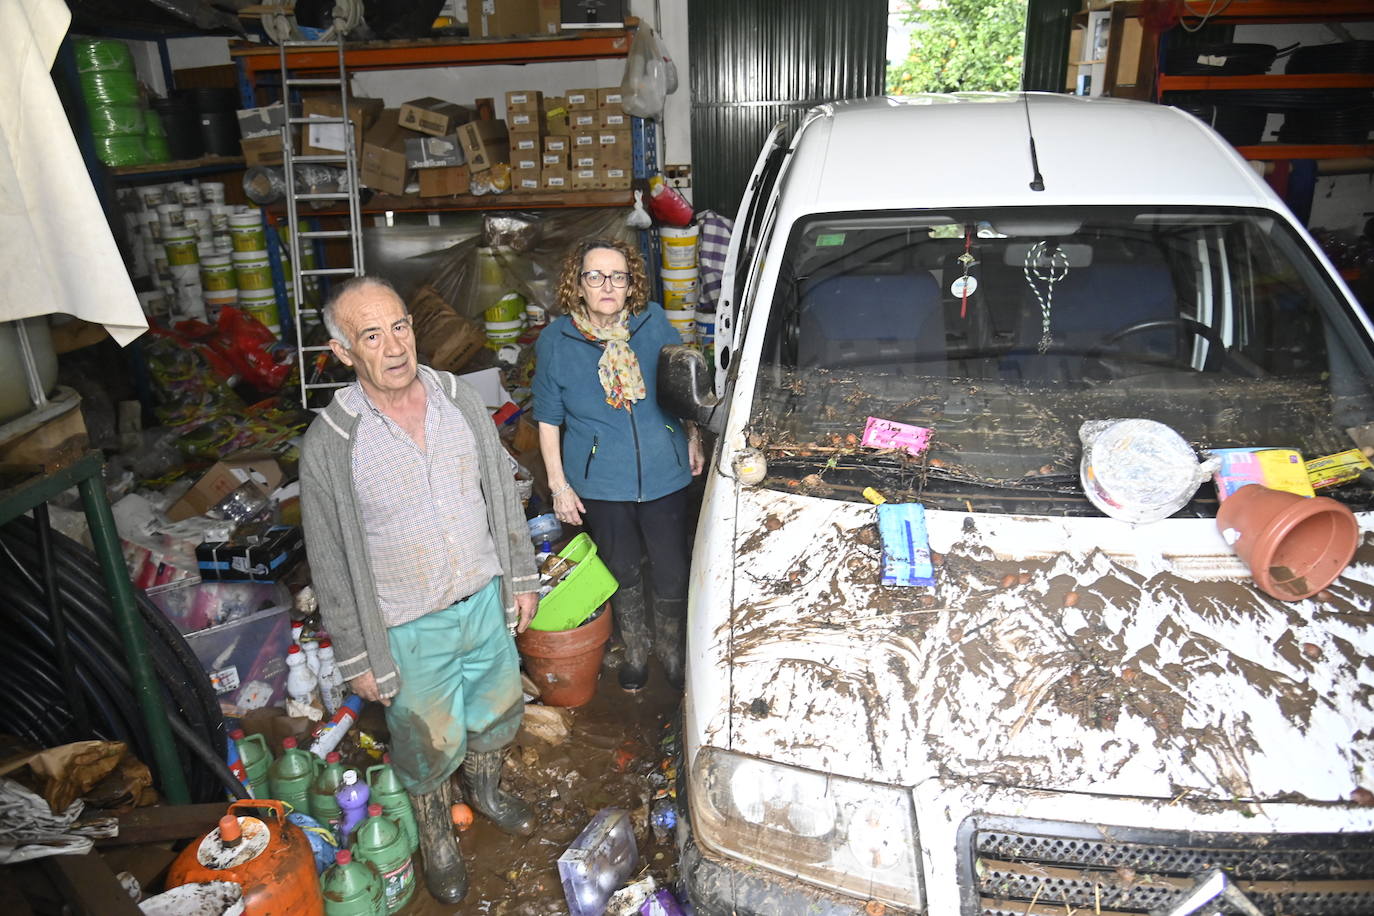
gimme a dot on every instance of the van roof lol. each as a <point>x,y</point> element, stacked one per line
<point>971,150</point>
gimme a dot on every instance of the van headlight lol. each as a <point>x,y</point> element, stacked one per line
<point>851,836</point>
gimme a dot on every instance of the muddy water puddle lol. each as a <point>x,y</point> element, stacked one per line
<point>611,758</point>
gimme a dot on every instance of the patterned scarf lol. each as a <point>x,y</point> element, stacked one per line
<point>618,368</point>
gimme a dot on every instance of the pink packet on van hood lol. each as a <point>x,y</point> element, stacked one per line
<point>880,433</point>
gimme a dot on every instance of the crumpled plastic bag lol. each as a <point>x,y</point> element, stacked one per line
<point>30,830</point>
<point>644,87</point>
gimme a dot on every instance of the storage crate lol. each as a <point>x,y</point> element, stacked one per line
<point>578,594</point>
<point>246,659</point>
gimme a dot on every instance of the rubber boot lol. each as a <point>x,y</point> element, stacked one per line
<point>481,775</point>
<point>446,875</point>
<point>670,644</point>
<point>628,607</point>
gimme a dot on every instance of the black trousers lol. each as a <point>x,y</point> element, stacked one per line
<point>626,532</point>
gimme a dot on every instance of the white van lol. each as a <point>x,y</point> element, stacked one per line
<point>1080,715</point>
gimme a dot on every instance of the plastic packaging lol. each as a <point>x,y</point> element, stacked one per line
<point>1139,470</point>
<point>337,727</point>
<point>602,857</point>
<point>330,693</point>
<point>388,792</point>
<point>352,797</point>
<point>301,683</point>
<point>352,888</point>
<point>290,775</point>
<point>666,204</point>
<point>382,843</point>
<point>256,758</point>
<point>644,87</point>
<point>663,819</point>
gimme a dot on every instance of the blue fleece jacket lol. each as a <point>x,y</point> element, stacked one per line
<point>625,455</point>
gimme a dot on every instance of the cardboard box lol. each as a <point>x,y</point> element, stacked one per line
<point>554,103</point>
<point>557,145</point>
<point>246,659</point>
<point>586,158</point>
<point>550,17</point>
<point>255,553</point>
<point>502,18</point>
<point>556,123</point>
<point>585,119</point>
<point>556,178</point>
<point>614,157</point>
<point>225,476</point>
<point>326,139</point>
<point>615,179</point>
<point>444,182</point>
<point>593,14</point>
<point>615,147</point>
<point>584,140</point>
<point>614,119</point>
<point>432,116</point>
<point>264,122</point>
<point>526,121</point>
<point>608,97</point>
<point>553,160</point>
<point>484,142</point>
<point>525,160</point>
<point>528,100</point>
<point>262,150</point>
<point>525,180</point>
<point>585,179</point>
<point>426,152</point>
<point>526,142</point>
<point>383,165</point>
<point>581,100</point>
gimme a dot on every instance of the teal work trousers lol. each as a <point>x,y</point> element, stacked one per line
<point>460,688</point>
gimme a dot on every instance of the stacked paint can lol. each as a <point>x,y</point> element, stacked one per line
<point>253,268</point>
<point>114,107</point>
<point>681,278</point>
<point>308,262</point>
<point>180,262</point>
<point>505,320</point>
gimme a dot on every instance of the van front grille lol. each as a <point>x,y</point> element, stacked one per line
<point>1016,867</point>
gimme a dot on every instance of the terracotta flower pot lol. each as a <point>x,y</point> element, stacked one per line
<point>1294,545</point>
<point>565,663</point>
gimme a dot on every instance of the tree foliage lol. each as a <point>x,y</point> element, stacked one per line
<point>961,45</point>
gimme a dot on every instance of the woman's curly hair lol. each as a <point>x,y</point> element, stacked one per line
<point>569,277</point>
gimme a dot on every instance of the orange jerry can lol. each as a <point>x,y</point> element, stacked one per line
<point>269,858</point>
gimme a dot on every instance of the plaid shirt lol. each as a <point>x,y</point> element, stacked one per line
<point>426,524</point>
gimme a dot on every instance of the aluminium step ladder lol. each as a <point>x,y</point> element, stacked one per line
<point>311,359</point>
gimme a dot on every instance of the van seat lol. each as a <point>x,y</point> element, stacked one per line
<point>884,318</point>
<point>1092,303</point>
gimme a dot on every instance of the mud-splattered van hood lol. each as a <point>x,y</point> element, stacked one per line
<point>1087,660</point>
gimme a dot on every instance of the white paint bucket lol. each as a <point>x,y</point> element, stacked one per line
<point>247,231</point>
<point>217,274</point>
<point>169,216</point>
<point>679,247</point>
<point>262,305</point>
<point>681,289</point>
<point>252,269</point>
<point>181,246</point>
<point>212,192</point>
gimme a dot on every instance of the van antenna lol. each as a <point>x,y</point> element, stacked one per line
<point>1037,180</point>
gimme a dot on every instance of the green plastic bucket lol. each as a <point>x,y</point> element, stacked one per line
<point>578,594</point>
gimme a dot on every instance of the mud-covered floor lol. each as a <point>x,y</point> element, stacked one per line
<point>612,758</point>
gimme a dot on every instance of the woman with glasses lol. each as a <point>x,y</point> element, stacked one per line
<point>616,462</point>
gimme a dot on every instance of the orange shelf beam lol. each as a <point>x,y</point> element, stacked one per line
<point>1276,151</point>
<point>391,55</point>
<point>1269,81</point>
<point>511,200</point>
<point>1252,11</point>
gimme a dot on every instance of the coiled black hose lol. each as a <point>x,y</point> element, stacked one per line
<point>36,707</point>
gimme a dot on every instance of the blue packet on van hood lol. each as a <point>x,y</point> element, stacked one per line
<point>906,548</point>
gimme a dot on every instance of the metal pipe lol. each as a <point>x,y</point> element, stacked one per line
<point>31,376</point>
<point>105,538</point>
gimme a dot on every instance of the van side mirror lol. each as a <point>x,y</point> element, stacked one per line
<point>684,386</point>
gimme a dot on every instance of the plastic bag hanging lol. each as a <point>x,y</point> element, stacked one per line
<point>639,217</point>
<point>669,68</point>
<point>645,84</point>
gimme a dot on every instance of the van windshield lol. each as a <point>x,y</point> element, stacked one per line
<point>1002,331</point>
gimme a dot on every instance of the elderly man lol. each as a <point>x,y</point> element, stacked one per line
<point>421,558</point>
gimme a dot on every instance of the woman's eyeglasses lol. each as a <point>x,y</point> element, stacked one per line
<point>596,279</point>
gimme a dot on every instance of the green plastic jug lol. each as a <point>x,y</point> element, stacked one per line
<point>388,792</point>
<point>381,842</point>
<point>324,807</point>
<point>291,775</point>
<point>256,757</point>
<point>352,888</point>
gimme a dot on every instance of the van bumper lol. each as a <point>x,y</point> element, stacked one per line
<point>722,887</point>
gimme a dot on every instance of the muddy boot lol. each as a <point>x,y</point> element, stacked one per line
<point>481,774</point>
<point>445,874</point>
<point>628,607</point>
<point>670,624</point>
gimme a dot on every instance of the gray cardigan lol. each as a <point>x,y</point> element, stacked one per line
<point>335,536</point>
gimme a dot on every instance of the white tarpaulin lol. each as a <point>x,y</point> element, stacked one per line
<point>56,251</point>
